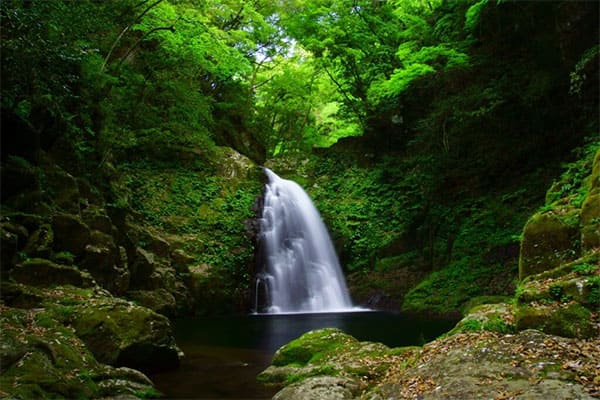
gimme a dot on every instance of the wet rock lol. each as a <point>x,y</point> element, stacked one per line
<point>232,164</point>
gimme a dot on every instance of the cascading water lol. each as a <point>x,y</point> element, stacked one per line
<point>301,271</point>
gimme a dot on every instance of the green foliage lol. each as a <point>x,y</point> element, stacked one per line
<point>208,210</point>
<point>473,13</point>
<point>584,269</point>
<point>578,76</point>
<point>573,185</point>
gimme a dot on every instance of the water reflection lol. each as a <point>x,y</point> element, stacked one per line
<point>224,354</point>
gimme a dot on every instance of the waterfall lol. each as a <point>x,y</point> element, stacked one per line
<point>301,271</point>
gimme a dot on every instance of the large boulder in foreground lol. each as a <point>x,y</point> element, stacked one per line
<point>122,334</point>
<point>465,365</point>
<point>42,359</point>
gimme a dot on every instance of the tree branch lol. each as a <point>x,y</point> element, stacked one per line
<point>118,39</point>
<point>151,31</point>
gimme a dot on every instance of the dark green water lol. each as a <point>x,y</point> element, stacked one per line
<point>224,354</point>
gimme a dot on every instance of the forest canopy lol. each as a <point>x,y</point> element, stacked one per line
<point>282,75</point>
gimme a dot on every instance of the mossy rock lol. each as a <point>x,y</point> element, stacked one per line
<point>489,317</point>
<point>9,246</point>
<point>549,239</point>
<point>570,288</point>
<point>142,267</point>
<point>42,272</point>
<point>103,259</point>
<point>63,188</point>
<point>40,242</point>
<point>590,221</point>
<point>159,300</point>
<point>149,238</point>
<point>42,359</point>
<point>595,177</point>
<point>330,352</point>
<point>70,233</point>
<point>234,165</point>
<point>571,320</point>
<point>310,346</point>
<point>122,334</point>
<point>97,219</point>
<point>322,388</point>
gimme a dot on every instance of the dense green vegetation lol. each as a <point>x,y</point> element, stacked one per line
<point>461,113</point>
<point>427,131</point>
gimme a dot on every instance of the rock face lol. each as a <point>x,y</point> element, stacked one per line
<point>560,262</point>
<point>63,334</point>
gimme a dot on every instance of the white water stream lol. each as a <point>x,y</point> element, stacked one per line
<point>301,272</point>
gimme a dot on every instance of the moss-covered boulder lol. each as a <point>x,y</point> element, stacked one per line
<point>311,346</point>
<point>491,317</point>
<point>42,272</point>
<point>122,334</point>
<point>569,320</point>
<point>549,239</point>
<point>42,359</point>
<point>330,352</point>
<point>159,300</point>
